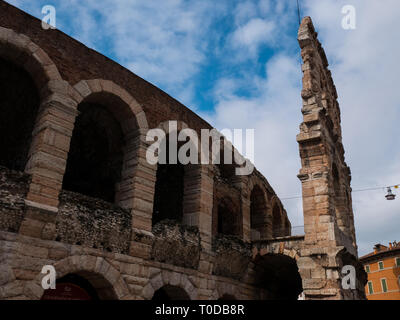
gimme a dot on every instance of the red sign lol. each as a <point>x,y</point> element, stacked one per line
<point>66,291</point>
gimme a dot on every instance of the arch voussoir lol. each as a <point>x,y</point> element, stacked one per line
<point>79,264</point>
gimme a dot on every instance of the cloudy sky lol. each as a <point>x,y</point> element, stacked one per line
<point>237,64</point>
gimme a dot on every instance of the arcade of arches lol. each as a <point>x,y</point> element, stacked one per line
<point>77,192</point>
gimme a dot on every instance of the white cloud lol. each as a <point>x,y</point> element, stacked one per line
<point>274,112</point>
<point>254,33</point>
<point>162,41</point>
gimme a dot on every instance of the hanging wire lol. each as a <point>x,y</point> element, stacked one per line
<point>353,191</point>
<point>298,11</point>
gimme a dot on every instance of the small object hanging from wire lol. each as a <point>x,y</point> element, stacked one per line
<point>390,195</point>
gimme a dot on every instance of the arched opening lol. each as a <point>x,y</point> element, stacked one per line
<point>276,221</point>
<point>279,276</point>
<point>228,218</point>
<point>19,104</point>
<point>95,157</point>
<point>170,293</point>
<point>80,286</point>
<point>258,214</point>
<point>227,172</point>
<point>169,187</point>
<point>288,228</point>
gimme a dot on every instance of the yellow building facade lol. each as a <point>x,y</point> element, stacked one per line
<point>383,269</point>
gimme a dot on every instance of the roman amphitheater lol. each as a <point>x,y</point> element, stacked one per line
<point>77,193</point>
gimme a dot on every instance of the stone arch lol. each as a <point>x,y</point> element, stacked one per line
<point>170,179</point>
<point>108,109</point>
<point>19,49</point>
<point>286,283</point>
<point>20,101</point>
<point>225,289</point>
<point>227,171</point>
<point>291,251</point>
<point>230,201</point>
<point>107,280</point>
<point>260,220</point>
<point>91,89</point>
<point>174,183</point>
<point>167,278</point>
<point>45,162</point>
<point>169,292</point>
<point>228,220</point>
<point>287,226</point>
<point>197,182</point>
<point>277,218</point>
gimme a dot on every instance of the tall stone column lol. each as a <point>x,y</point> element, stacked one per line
<point>328,217</point>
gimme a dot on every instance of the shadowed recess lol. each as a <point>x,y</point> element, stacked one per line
<point>279,276</point>
<point>170,293</point>
<point>169,190</point>
<point>95,158</point>
<point>19,104</point>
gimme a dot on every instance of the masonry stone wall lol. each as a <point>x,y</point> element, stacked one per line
<point>115,245</point>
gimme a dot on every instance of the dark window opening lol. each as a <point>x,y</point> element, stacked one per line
<point>227,220</point>
<point>258,216</point>
<point>227,171</point>
<point>19,104</point>
<point>288,228</point>
<point>279,276</point>
<point>169,190</point>
<point>96,153</point>
<point>276,222</point>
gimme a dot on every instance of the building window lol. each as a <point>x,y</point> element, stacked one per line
<point>397,262</point>
<point>380,264</point>
<point>384,285</point>
<point>370,289</point>
<point>367,269</point>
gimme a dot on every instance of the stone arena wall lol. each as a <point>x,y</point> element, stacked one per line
<point>79,194</point>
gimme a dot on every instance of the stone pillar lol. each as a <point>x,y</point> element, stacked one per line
<point>198,200</point>
<point>47,160</point>
<point>242,183</point>
<point>325,178</point>
<point>138,192</point>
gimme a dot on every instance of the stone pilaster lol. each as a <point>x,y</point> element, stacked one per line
<point>198,200</point>
<point>325,178</point>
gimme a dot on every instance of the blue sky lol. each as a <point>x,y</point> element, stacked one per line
<point>237,64</point>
